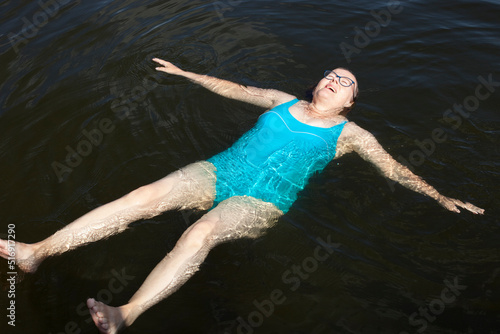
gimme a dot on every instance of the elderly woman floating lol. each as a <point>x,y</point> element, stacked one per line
<point>245,188</point>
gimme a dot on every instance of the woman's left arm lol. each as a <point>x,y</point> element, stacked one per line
<point>367,146</point>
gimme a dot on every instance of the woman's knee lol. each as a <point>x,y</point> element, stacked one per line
<point>151,193</point>
<point>142,196</point>
<point>198,234</point>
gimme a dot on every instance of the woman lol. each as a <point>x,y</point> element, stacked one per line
<point>247,187</point>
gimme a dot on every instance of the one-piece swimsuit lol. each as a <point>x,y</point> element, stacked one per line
<point>274,160</point>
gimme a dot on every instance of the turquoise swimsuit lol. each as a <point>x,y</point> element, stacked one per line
<point>274,160</point>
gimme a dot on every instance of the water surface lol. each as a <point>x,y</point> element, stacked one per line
<point>394,253</point>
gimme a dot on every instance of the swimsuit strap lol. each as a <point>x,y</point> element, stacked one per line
<point>289,103</point>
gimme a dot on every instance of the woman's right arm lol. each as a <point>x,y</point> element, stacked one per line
<point>266,98</point>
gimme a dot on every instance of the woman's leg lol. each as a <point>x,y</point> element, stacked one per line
<point>233,218</point>
<point>189,187</point>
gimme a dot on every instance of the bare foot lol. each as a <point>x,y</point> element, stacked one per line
<point>23,253</point>
<point>108,319</point>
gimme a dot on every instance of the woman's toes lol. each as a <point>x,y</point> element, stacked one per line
<point>108,319</point>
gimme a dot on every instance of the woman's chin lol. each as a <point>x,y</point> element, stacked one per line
<point>327,98</point>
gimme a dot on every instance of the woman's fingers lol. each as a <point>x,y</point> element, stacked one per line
<point>453,204</point>
<point>167,67</point>
<point>468,206</point>
<point>472,208</point>
<point>449,204</point>
<point>161,61</point>
<point>453,207</point>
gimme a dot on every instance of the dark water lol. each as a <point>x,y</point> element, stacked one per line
<point>398,262</point>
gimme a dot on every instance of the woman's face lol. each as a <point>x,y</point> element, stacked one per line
<point>331,91</point>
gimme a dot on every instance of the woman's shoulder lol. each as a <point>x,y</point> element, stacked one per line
<point>351,129</point>
<point>351,135</point>
<point>281,98</point>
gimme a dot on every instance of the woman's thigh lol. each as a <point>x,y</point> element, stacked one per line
<point>190,187</point>
<point>240,217</point>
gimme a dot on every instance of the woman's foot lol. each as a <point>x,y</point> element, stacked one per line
<point>23,253</point>
<point>108,319</point>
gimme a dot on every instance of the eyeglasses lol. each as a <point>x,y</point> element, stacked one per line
<point>344,81</point>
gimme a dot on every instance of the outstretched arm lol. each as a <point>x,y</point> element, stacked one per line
<point>367,146</point>
<point>266,98</point>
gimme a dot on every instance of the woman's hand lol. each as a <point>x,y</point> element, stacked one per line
<point>453,204</point>
<point>168,67</point>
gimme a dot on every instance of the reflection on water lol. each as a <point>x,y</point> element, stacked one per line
<point>85,118</point>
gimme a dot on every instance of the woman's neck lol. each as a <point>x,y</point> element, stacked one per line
<point>317,111</point>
